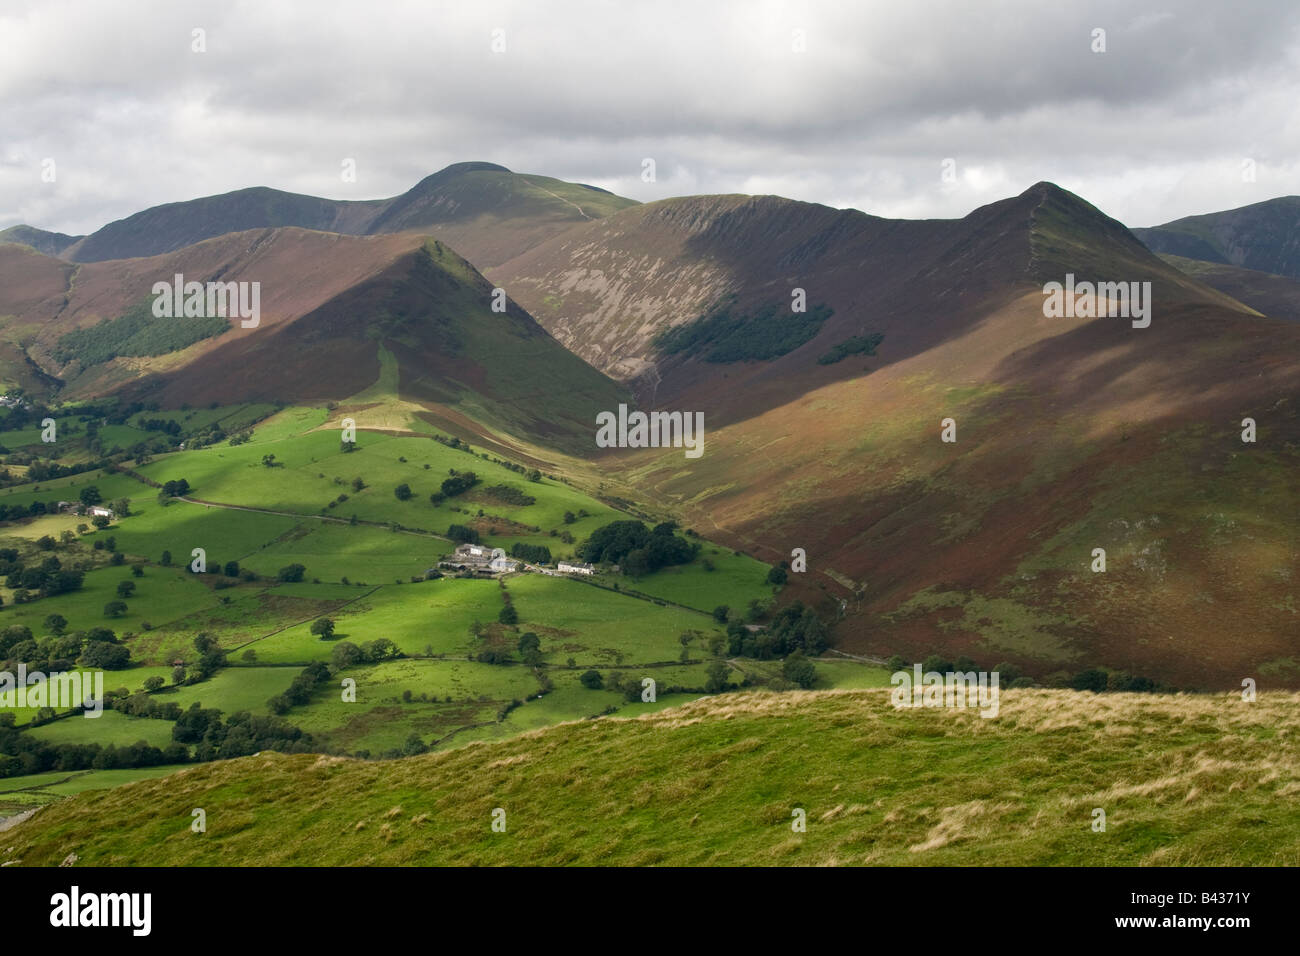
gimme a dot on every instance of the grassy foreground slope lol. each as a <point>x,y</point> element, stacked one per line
<point>1207,780</point>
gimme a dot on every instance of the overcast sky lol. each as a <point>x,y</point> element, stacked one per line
<point>1158,126</point>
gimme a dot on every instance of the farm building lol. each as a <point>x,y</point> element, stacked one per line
<point>476,557</point>
<point>568,567</point>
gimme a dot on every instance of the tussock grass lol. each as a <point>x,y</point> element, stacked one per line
<point>1184,779</point>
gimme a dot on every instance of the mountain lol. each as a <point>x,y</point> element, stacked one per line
<point>339,314</point>
<point>487,210</point>
<point>1264,236</point>
<point>823,426</point>
<point>173,226</point>
<point>717,783</point>
<point>1072,433</point>
<point>1272,295</point>
<point>607,288</point>
<point>50,243</point>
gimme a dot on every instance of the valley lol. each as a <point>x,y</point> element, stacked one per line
<point>913,457</point>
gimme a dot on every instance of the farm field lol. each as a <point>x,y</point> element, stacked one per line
<point>438,666</point>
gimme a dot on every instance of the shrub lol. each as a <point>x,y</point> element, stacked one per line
<point>799,670</point>
<point>291,573</point>
<point>592,680</point>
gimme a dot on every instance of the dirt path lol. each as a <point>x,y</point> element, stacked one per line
<point>563,200</point>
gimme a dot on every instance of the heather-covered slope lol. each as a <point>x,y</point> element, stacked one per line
<point>1264,236</point>
<point>332,307</point>
<point>1072,433</point>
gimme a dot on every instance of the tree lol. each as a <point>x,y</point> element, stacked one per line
<point>462,534</point>
<point>1093,679</point>
<point>937,663</point>
<point>357,484</point>
<point>178,673</point>
<point>508,615</point>
<point>268,461</point>
<point>122,507</point>
<point>715,681</point>
<point>90,496</point>
<point>101,655</point>
<point>592,680</point>
<point>166,559</point>
<point>529,641</point>
<point>100,521</point>
<point>720,613</point>
<point>346,654</point>
<point>56,624</point>
<point>232,569</point>
<point>291,573</point>
<point>776,575</point>
<point>403,492</point>
<point>797,669</point>
<point>137,570</point>
<point>323,628</point>
<point>114,609</point>
<point>125,588</point>
<point>153,683</point>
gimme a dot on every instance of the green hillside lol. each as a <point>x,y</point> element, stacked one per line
<point>1205,780</point>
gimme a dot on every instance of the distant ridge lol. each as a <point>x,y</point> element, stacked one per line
<point>1264,236</point>
<point>459,202</point>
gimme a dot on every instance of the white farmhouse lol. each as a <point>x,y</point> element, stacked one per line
<point>567,567</point>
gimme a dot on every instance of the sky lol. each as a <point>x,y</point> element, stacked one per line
<point>903,109</point>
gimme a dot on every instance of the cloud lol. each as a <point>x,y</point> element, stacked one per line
<point>1155,127</point>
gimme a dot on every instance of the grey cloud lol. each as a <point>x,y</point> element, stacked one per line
<point>1150,130</point>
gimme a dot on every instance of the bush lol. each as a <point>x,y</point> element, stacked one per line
<point>716,678</point>
<point>291,573</point>
<point>509,494</point>
<point>799,670</point>
<point>458,484</point>
<point>508,615</point>
<point>720,613</point>
<point>403,492</point>
<point>857,345</point>
<point>592,680</point>
<point>462,534</point>
<point>115,609</point>
<point>936,662</point>
<point>1093,679</point>
<point>346,654</point>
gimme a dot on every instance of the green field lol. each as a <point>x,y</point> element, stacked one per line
<point>365,558</point>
